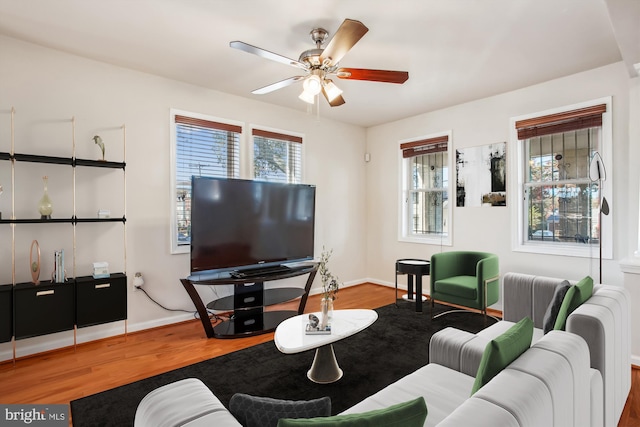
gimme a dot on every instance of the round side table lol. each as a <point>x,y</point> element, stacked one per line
<point>413,268</point>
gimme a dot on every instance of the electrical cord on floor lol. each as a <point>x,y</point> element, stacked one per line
<point>195,314</point>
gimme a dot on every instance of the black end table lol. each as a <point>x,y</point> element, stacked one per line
<point>413,268</point>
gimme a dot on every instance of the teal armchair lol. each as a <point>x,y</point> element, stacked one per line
<point>469,279</point>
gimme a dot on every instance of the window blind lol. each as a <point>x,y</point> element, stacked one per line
<point>206,148</point>
<point>581,118</point>
<point>424,146</point>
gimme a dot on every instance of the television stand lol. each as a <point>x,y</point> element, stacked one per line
<point>248,302</point>
<point>257,272</point>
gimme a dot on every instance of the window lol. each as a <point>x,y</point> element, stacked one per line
<point>277,157</point>
<point>426,168</point>
<point>560,212</point>
<point>203,147</point>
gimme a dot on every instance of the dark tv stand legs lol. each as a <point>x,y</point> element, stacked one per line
<point>248,296</point>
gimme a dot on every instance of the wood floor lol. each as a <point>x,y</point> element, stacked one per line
<point>67,374</point>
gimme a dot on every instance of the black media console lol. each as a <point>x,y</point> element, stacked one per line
<point>248,302</point>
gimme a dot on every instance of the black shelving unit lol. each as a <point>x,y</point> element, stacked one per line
<point>101,300</point>
<point>6,313</point>
<point>29,310</point>
<point>43,309</point>
<point>71,161</point>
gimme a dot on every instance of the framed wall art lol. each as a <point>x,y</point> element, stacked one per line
<point>481,175</point>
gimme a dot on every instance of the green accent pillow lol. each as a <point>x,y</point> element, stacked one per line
<point>584,290</point>
<point>563,313</point>
<point>408,414</point>
<point>574,297</point>
<point>503,350</point>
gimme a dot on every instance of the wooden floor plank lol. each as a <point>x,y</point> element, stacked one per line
<point>63,375</point>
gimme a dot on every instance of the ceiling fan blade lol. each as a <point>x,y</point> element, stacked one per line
<point>266,54</point>
<point>336,102</point>
<point>384,76</point>
<point>343,40</point>
<point>278,85</point>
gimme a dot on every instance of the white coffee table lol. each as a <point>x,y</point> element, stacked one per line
<point>290,338</point>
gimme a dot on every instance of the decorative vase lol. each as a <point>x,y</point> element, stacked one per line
<point>326,307</point>
<point>45,206</point>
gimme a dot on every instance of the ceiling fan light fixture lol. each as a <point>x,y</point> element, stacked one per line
<point>331,90</point>
<point>307,97</point>
<point>312,85</point>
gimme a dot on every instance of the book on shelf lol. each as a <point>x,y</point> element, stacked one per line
<point>58,267</point>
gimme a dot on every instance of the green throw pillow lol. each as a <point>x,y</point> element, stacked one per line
<point>574,297</point>
<point>407,414</point>
<point>584,290</point>
<point>503,350</point>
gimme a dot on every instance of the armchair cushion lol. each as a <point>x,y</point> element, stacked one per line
<point>462,286</point>
<point>503,350</point>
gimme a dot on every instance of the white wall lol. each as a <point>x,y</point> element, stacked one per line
<point>357,202</point>
<point>483,122</point>
<point>47,88</point>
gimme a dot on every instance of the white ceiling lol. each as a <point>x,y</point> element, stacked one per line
<point>454,50</point>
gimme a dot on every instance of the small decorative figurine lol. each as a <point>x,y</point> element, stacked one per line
<point>98,141</point>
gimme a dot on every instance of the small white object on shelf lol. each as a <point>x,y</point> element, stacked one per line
<point>100,270</point>
<point>315,330</point>
<point>104,213</point>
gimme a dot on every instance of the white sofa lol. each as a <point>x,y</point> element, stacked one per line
<point>602,321</point>
<point>550,384</point>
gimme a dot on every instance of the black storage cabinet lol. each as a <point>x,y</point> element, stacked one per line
<point>43,309</point>
<point>101,300</point>
<point>6,313</point>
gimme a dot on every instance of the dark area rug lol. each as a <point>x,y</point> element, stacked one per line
<point>394,346</point>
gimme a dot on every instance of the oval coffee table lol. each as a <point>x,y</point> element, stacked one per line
<point>290,338</point>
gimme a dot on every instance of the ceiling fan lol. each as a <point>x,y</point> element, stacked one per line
<point>319,64</point>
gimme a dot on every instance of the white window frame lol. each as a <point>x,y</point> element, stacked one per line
<point>175,248</point>
<point>281,131</point>
<point>520,243</point>
<point>403,201</point>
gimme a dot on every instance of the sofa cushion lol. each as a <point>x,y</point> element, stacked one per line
<point>503,350</point>
<point>551,314</point>
<point>412,413</point>
<point>253,411</point>
<point>444,389</point>
<point>575,296</point>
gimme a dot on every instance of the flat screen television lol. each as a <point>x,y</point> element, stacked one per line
<point>243,225</point>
